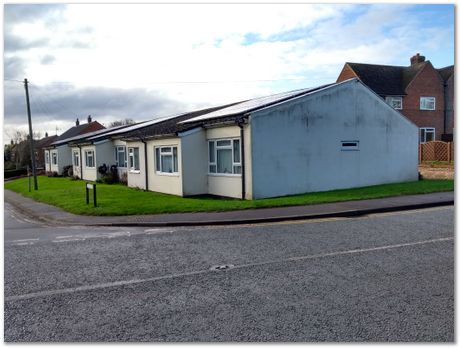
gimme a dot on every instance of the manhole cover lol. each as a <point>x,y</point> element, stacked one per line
<point>221,267</point>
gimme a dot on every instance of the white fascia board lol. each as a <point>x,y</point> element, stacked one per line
<point>190,131</point>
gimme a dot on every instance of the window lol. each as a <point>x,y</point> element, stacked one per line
<point>133,158</point>
<point>224,156</point>
<point>120,156</point>
<point>47,157</point>
<point>76,159</point>
<point>394,102</point>
<point>427,134</point>
<point>54,158</point>
<point>427,103</point>
<point>350,145</point>
<point>166,159</point>
<point>89,158</point>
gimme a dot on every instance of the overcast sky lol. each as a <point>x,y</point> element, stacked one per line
<point>143,61</point>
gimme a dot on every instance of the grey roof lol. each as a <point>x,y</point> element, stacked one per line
<point>136,126</point>
<point>170,125</point>
<point>80,129</point>
<point>83,136</point>
<point>254,104</point>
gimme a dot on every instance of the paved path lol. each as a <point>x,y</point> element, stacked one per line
<point>50,214</point>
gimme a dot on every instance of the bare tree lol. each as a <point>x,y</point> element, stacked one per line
<point>124,122</point>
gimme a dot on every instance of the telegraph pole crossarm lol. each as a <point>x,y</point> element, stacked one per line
<point>31,135</point>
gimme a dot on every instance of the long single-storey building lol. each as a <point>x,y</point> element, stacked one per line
<point>57,154</point>
<point>335,136</point>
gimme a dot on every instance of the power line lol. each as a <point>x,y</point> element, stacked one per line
<point>13,80</point>
<point>51,99</point>
<point>216,81</point>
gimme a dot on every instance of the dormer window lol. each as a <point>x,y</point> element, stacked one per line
<point>394,102</point>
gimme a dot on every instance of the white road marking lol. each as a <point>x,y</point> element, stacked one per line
<point>68,240</point>
<point>22,240</point>
<point>157,231</point>
<point>24,243</point>
<point>171,276</point>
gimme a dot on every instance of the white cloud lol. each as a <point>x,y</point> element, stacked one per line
<point>149,46</point>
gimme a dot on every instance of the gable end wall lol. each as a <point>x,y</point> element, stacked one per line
<point>296,146</point>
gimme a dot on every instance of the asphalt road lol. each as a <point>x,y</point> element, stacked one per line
<point>380,278</point>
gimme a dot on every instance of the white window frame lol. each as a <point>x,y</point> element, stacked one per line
<point>134,167</point>
<point>395,102</point>
<point>76,158</point>
<point>90,154</point>
<point>119,149</point>
<point>235,164</point>
<point>54,158</point>
<point>425,131</point>
<point>47,157</point>
<point>425,100</point>
<point>159,153</point>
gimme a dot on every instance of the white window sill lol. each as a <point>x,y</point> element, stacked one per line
<point>226,175</point>
<point>134,171</point>
<point>166,174</point>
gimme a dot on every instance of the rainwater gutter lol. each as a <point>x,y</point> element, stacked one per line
<point>243,173</point>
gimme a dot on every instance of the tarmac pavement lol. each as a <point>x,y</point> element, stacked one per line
<point>50,214</point>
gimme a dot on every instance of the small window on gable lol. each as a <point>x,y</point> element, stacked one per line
<point>394,102</point>
<point>350,145</point>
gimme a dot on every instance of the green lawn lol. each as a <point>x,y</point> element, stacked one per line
<point>120,200</point>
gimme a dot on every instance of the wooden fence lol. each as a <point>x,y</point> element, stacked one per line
<point>436,151</point>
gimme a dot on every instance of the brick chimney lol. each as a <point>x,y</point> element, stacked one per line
<point>89,118</point>
<point>417,59</point>
<point>46,135</point>
<point>77,122</point>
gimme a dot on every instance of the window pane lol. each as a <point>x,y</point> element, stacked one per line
<point>212,168</point>
<point>166,149</point>
<point>175,169</point>
<point>427,103</point>
<point>157,159</point>
<point>422,135</point>
<point>212,157</point>
<point>237,169</point>
<point>136,158</point>
<point>429,135</point>
<point>121,157</point>
<point>224,142</point>
<point>224,161</point>
<point>166,164</point>
<point>236,151</point>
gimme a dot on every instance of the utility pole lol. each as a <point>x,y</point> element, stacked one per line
<point>31,135</point>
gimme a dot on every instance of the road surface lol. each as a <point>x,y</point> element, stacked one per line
<point>378,278</point>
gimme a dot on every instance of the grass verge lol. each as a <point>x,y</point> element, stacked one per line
<point>120,200</point>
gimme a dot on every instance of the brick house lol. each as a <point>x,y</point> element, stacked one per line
<point>423,94</point>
